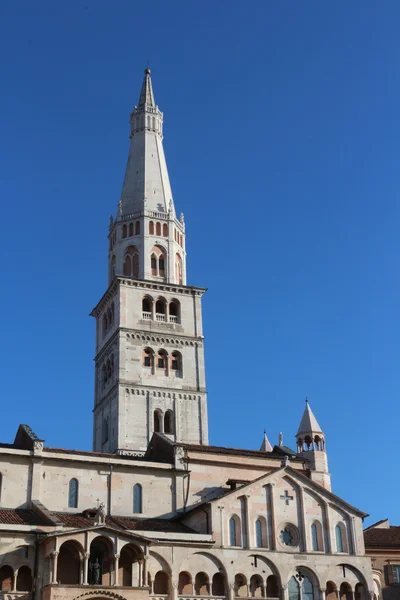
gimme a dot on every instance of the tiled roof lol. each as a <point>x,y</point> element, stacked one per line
<point>79,521</point>
<point>237,451</point>
<point>382,537</point>
<point>20,516</point>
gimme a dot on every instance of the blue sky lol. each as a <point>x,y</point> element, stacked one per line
<point>281,135</point>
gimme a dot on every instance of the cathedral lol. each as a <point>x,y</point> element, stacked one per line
<point>154,512</point>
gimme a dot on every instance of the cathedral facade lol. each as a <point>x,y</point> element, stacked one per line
<point>155,512</point>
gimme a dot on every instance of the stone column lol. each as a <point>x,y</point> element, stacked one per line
<point>140,561</point>
<point>175,586</point>
<point>273,525</point>
<point>55,562</point>
<point>322,594</point>
<point>116,567</point>
<point>303,519</point>
<point>144,571</point>
<point>231,589</point>
<point>328,528</point>
<point>285,591</point>
<point>247,517</point>
<point>85,568</point>
<point>14,581</point>
<point>221,520</point>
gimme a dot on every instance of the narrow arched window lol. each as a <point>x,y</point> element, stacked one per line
<point>130,229</point>
<point>232,532</point>
<point>314,537</point>
<point>137,498</point>
<point>168,427</point>
<point>148,358</point>
<point>151,228</point>
<point>176,361</point>
<point>157,421</point>
<point>158,229</point>
<point>161,265</point>
<point>124,231</point>
<point>153,262</point>
<point>137,227</point>
<point>259,536</point>
<point>339,538</point>
<point>105,427</point>
<point>165,230</point>
<point>73,494</point>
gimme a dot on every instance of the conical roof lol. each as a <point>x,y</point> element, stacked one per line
<point>265,446</point>
<point>146,93</point>
<point>309,423</point>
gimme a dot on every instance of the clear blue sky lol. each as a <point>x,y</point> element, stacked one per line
<point>282,140</point>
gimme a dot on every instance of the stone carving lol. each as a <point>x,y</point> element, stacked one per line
<point>96,570</point>
<point>285,461</point>
<point>100,517</point>
<point>182,218</point>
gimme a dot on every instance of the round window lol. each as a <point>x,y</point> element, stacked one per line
<point>288,536</point>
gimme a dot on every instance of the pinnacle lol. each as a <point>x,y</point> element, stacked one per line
<point>309,423</point>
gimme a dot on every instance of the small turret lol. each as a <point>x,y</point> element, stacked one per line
<point>311,445</point>
<point>265,446</point>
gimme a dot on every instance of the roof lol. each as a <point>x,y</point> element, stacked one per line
<point>146,93</point>
<point>79,521</point>
<point>386,537</point>
<point>308,423</point>
<point>20,516</point>
<point>242,452</point>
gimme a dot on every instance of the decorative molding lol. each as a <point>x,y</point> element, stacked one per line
<point>145,336</point>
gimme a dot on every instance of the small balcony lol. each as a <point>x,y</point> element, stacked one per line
<point>146,316</point>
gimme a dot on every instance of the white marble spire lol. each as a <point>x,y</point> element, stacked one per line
<point>309,424</point>
<point>146,184</point>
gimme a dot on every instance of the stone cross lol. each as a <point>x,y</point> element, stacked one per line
<point>286,497</point>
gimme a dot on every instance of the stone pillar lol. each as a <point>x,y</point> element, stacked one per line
<point>322,594</point>
<point>285,591</point>
<point>116,567</point>
<point>328,528</point>
<point>303,520</point>
<point>247,517</point>
<point>144,572</point>
<point>140,561</point>
<point>85,568</point>
<point>273,524</point>
<point>55,562</point>
<point>221,520</point>
<point>175,586</point>
<point>231,589</point>
<point>14,581</point>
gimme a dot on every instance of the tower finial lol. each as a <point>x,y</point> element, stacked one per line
<point>306,400</point>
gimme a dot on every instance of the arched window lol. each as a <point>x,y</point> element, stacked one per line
<point>137,498</point>
<point>235,536</point>
<point>168,426</point>
<point>161,306</point>
<point>6,578</point>
<point>147,357</point>
<point>165,230</point>
<point>162,360</point>
<point>153,261</point>
<point>178,268</point>
<point>73,494</point>
<point>218,587</point>
<point>161,583</point>
<point>259,533</point>
<point>130,229</point>
<point>124,231</point>
<point>137,227</point>
<point>174,311</point>
<point>185,585</point>
<point>151,228</point>
<point>273,587</point>
<point>294,589</point>
<point>339,538</point>
<point>201,584</point>
<point>176,361</point>
<point>158,229</point>
<point>256,586</point>
<point>314,537</point>
<point>307,590</point>
<point>147,303</point>
<point>24,579</point>
<point>161,265</point>
<point>131,262</point>
<point>240,586</point>
<point>157,421</point>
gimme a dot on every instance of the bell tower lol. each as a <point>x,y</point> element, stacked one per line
<point>311,445</point>
<point>149,362</point>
